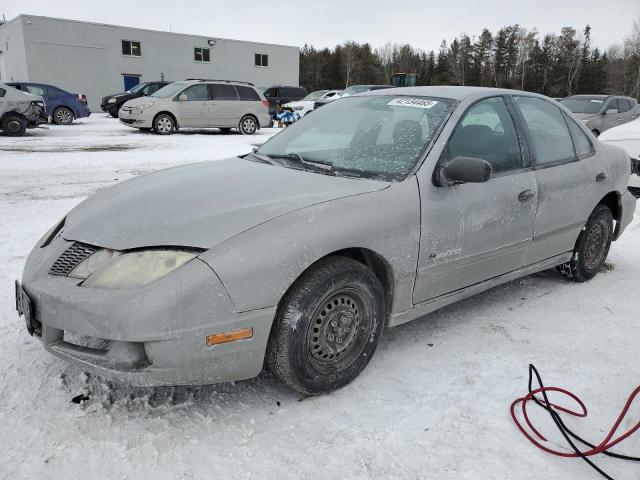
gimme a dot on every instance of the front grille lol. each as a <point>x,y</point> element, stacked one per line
<point>128,121</point>
<point>71,258</point>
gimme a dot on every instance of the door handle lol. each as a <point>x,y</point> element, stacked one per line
<point>526,196</point>
<point>601,177</point>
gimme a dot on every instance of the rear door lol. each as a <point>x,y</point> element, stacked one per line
<point>476,231</point>
<point>194,110</point>
<point>250,100</point>
<point>567,182</point>
<point>624,111</point>
<point>226,109</point>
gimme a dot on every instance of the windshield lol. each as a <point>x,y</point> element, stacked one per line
<point>137,88</point>
<point>169,90</point>
<point>583,104</point>
<point>315,95</point>
<point>381,136</point>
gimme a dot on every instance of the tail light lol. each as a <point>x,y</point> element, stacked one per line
<point>265,103</point>
<point>82,97</point>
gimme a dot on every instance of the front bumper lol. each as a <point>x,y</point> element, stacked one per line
<point>149,335</point>
<point>129,117</point>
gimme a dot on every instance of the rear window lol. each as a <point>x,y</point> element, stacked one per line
<point>292,92</point>
<point>623,105</point>
<point>221,91</point>
<point>247,93</point>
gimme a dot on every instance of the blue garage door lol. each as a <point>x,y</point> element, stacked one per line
<point>130,81</point>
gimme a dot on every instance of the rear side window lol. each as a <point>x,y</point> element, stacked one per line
<point>623,105</point>
<point>547,130</point>
<point>220,91</point>
<point>196,93</point>
<point>487,132</point>
<point>36,90</point>
<point>247,93</point>
<point>580,140</point>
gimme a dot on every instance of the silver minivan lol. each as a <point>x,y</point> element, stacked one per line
<point>599,113</point>
<point>222,104</point>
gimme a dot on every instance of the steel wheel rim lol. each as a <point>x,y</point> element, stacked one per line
<point>14,126</point>
<point>339,330</point>
<point>596,245</point>
<point>63,116</point>
<point>248,125</point>
<point>164,124</point>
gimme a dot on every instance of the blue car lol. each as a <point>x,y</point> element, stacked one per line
<point>60,105</point>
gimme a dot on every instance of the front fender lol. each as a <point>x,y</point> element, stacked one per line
<point>259,265</point>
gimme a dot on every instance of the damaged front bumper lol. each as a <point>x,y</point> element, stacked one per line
<point>149,335</point>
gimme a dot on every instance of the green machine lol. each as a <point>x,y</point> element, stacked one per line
<point>404,79</point>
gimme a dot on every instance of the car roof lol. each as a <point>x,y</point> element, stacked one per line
<point>588,96</point>
<point>451,92</point>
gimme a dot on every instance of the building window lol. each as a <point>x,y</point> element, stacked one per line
<point>262,60</point>
<point>201,54</point>
<point>131,48</point>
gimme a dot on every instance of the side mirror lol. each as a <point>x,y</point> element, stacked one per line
<point>611,111</point>
<point>467,170</point>
<point>182,98</point>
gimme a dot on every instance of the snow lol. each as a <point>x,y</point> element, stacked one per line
<point>433,402</point>
<point>627,137</point>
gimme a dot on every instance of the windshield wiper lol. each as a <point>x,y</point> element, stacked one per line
<point>262,158</point>
<point>319,164</point>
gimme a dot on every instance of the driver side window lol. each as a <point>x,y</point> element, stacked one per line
<point>487,132</point>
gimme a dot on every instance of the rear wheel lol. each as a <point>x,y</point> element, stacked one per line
<point>248,125</point>
<point>164,124</point>
<point>14,125</point>
<point>62,116</point>
<point>114,110</point>
<point>327,326</point>
<point>592,247</point>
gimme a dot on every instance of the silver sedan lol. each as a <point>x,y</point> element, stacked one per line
<point>377,209</point>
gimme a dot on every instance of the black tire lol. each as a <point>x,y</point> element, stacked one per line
<point>13,125</point>
<point>327,326</point>
<point>225,129</point>
<point>596,132</point>
<point>248,125</point>
<point>145,129</point>
<point>592,247</point>
<point>114,110</point>
<point>164,124</point>
<point>62,116</point>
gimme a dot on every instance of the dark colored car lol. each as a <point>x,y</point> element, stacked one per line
<point>63,107</point>
<point>112,103</point>
<point>281,94</point>
<point>352,90</point>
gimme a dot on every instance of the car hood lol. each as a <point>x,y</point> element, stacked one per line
<point>202,204</point>
<point>299,103</point>
<point>134,102</point>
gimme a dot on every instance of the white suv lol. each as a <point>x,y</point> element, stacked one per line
<point>222,104</point>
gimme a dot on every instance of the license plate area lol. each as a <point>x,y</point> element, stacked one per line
<point>24,306</point>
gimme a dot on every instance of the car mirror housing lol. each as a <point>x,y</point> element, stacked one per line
<point>467,170</point>
<point>182,98</point>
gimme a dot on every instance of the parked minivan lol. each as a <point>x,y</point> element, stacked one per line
<point>281,94</point>
<point>63,107</point>
<point>602,112</point>
<point>222,104</point>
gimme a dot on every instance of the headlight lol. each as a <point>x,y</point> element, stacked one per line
<point>112,269</point>
<point>141,108</point>
<point>111,100</point>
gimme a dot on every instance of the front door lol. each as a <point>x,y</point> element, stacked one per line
<point>193,106</point>
<point>130,81</point>
<point>474,232</point>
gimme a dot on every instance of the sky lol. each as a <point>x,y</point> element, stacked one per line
<point>421,23</point>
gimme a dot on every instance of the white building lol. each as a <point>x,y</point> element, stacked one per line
<point>98,59</point>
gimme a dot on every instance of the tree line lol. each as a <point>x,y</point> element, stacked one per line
<point>556,65</point>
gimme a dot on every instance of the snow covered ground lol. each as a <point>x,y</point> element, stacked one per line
<point>433,403</point>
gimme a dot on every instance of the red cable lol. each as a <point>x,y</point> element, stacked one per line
<point>603,446</point>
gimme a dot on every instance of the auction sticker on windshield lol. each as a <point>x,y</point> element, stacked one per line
<point>413,102</point>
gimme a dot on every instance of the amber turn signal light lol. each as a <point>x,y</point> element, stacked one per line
<point>226,337</point>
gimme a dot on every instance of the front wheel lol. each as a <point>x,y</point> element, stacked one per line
<point>596,132</point>
<point>592,247</point>
<point>62,116</point>
<point>164,124</point>
<point>248,125</point>
<point>14,125</point>
<point>327,326</point>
